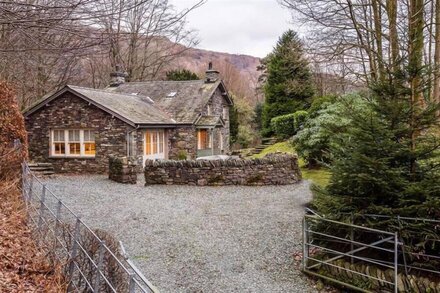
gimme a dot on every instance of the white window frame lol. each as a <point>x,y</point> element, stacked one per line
<point>66,144</point>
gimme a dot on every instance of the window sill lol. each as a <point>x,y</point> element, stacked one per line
<point>71,157</point>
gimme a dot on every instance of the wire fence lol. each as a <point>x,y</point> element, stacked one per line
<point>355,255</point>
<point>92,260</point>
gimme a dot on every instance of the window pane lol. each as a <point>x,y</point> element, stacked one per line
<point>74,135</point>
<point>60,149</point>
<point>74,148</point>
<point>89,149</point>
<point>58,135</point>
<point>86,135</point>
<point>148,143</point>
<point>161,142</point>
<point>155,134</point>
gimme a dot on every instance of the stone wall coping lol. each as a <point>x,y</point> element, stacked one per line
<point>269,159</point>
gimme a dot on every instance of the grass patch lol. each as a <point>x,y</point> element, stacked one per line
<point>318,176</point>
<point>284,147</point>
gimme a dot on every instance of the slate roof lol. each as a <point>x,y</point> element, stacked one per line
<point>182,100</point>
<point>148,103</point>
<point>209,121</point>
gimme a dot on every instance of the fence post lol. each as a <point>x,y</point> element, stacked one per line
<point>396,260</point>
<point>73,252</point>
<point>23,185</point>
<point>305,244</point>
<point>30,188</point>
<point>55,230</point>
<point>131,284</point>
<point>351,237</point>
<point>99,267</point>
<point>40,217</point>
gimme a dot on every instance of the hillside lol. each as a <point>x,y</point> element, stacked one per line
<point>238,71</point>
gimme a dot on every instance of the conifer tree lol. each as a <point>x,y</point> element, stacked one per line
<point>182,74</point>
<point>289,85</point>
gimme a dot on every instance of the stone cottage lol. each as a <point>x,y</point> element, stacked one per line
<point>77,128</point>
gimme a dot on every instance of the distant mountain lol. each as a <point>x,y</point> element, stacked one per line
<point>238,71</point>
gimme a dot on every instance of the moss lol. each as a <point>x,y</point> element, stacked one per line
<point>284,147</point>
<point>182,155</point>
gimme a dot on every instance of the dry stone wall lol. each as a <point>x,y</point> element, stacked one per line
<point>122,169</point>
<point>278,169</point>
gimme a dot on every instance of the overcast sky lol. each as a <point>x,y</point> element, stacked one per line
<point>249,27</point>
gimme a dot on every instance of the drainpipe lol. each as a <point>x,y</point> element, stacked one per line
<point>128,140</point>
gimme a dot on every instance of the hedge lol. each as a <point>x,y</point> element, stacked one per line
<point>286,126</point>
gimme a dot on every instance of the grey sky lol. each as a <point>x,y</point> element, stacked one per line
<point>249,27</point>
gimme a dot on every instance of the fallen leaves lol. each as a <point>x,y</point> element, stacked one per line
<point>23,267</point>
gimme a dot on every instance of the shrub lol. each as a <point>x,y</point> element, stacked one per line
<point>286,126</point>
<point>326,128</point>
<point>11,130</point>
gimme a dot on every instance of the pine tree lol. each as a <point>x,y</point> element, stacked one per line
<point>377,169</point>
<point>181,74</point>
<point>289,85</point>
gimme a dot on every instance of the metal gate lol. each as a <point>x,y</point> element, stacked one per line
<point>350,255</point>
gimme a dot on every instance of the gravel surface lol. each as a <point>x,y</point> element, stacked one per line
<point>199,239</point>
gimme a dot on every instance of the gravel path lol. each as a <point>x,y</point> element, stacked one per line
<point>199,239</point>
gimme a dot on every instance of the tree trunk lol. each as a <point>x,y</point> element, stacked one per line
<point>436,95</point>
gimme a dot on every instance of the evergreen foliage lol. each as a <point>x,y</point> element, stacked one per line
<point>285,126</point>
<point>329,120</point>
<point>380,166</point>
<point>289,85</point>
<point>181,74</point>
<point>233,124</point>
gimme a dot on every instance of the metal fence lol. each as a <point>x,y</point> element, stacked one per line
<point>364,258</point>
<point>92,260</point>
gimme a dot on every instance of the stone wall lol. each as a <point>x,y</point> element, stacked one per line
<point>71,112</point>
<point>122,169</point>
<point>277,169</point>
<point>182,143</point>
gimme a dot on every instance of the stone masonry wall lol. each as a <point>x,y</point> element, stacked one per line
<point>277,169</point>
<point>182,141</point>
<point>71,112</point>
<point>217,102</point>
<point>122,169</point>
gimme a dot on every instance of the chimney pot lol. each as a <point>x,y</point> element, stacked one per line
<point>118,77</point>
<point>211,75</point>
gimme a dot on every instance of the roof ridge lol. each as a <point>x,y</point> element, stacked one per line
<point>164,81</point>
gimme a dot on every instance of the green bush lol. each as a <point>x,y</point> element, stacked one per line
<point>286,126</point>
<point>283,126</point>
<point>300,118</point>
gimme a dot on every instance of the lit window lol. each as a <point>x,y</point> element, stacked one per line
<point>59,143</point>
<point>89,143</point>
<point>154,142</point>
<point>73,142</point>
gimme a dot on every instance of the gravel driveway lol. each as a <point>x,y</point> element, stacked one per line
<point>199,239</point>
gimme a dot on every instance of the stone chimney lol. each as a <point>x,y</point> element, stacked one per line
<point>118,77</point>
<point>211,74</point>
